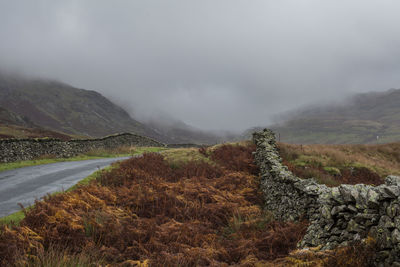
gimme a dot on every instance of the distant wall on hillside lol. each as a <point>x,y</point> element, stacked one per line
<point>337,215</point>
<point>27,149</point>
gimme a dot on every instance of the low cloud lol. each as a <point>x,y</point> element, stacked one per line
<point>213,64</point>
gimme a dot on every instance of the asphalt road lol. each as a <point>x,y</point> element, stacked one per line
<point>25,185</point>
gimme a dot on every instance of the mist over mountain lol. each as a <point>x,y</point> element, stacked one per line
<point>180,132</point>
<point>364,118</point>
<point>53,105</point>
<point>58,106</point>
<point>214,65</point>
<point>225,65</point>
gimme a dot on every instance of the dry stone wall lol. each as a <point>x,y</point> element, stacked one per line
<point>338,215</point>
<point>27,149</point>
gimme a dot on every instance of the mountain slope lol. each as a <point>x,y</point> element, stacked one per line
<point>10,118</point>
<point>61,107</point>
<point>360,120</point>
<point>13,125</point>
<point>180,132</point>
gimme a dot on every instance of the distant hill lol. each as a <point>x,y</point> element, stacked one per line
<point>180,132</point>
<point>57,106</point>
<point>359,120</point>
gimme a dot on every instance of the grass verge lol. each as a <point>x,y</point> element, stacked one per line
<point>94,154</point>
<point>12,219</point>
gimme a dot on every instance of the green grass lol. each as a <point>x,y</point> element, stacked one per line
<point>60,257</point>
<point>13,219</point>
<point>178,156</point>
<point>332,170</point>
<point>96,154</point>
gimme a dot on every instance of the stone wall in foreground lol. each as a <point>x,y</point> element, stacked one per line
<point>27,149</point>
<point>338,215</point>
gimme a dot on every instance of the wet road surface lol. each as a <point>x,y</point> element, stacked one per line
<point>25,185</point>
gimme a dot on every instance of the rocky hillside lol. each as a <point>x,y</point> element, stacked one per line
<point>359,120</point>
<point>10,118</point>
<point>56,106</point>
<point>13,125</point>
<point>61,107</point>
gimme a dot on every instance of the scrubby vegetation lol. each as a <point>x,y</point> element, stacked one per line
<point>147,211</point>
<point>337,164</point>
<point>165,210</point>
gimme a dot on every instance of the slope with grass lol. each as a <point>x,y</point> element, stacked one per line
<point>13,125</point>
<point>20,132</point>
<point>338,164</point>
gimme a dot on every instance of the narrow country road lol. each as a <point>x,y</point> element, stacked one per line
<point>24,185</point>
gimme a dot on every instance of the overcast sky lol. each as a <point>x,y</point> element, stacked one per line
<point>215,64</point>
